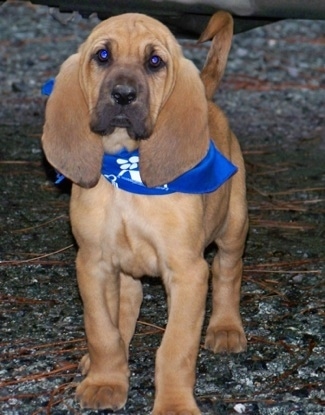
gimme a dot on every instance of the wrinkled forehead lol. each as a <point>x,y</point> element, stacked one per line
<point>133,34</point>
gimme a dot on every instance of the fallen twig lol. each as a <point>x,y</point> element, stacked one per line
<point>40,225</point>
<point>28,378</point>
<point>264,223</point>
<point>24,261</point>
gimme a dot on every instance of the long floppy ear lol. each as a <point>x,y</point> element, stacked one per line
<point>181,136</point>
<point>220,29</point>
<point>68,143</point>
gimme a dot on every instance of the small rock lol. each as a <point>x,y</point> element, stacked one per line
<point>240,408</point>
<point>298,278</point>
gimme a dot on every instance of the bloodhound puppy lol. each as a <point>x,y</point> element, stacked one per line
<point>157,176</point>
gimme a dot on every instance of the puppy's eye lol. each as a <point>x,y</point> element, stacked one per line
<point>155,62</point>
<point>103,55</point>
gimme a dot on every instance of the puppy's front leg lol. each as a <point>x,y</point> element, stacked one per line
<point>176,357</point>
<point>107,380</point>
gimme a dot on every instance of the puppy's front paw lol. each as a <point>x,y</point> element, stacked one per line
<point>223,340</point>
<point>173,403</point>
<point>173,411</point>
<point>105,396</point>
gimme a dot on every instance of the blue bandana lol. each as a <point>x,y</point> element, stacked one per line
<point>122,170</point>
<point>47,88</point>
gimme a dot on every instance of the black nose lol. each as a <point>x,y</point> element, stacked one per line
<point>124,94</point>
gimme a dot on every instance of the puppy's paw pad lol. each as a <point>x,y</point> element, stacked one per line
<point>94,396</point>
<point>225,341</point>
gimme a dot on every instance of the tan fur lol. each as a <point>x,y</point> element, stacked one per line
<point>123,236</point>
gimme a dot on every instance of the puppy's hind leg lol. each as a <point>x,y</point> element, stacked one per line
<point>225,332</point>
<point>130,302</point>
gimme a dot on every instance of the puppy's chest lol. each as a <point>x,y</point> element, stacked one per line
<point>132,231</point>
<point>130,246</point>
<point>137,234</point>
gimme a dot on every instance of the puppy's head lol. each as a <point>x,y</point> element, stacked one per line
<point>130,75</point>
<point>126,73</point>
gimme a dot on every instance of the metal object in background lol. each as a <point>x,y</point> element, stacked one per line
<point>187,18</point>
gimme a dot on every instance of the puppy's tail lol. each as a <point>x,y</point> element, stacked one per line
<point>220,30</point>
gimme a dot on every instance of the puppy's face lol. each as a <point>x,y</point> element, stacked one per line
<point>127,67</point>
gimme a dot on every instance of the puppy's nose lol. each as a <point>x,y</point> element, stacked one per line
<point>124,94</point>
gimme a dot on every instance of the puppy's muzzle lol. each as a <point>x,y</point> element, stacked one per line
<point>123,102</point>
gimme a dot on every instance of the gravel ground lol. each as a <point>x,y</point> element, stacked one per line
<point>273,93</point>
